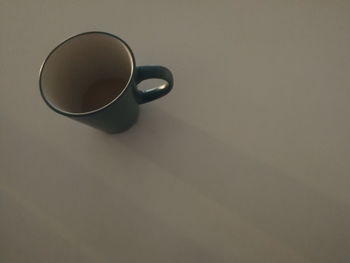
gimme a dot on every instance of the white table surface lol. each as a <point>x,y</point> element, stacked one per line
<point>247,160</point>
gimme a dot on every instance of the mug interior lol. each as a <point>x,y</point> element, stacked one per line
<point>86,73</point>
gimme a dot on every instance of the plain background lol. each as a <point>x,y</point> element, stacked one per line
<point>247,160</point>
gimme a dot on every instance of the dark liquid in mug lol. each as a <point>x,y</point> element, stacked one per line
<point>101,93</point>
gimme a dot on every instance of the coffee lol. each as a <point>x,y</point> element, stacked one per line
<point>101,93</point>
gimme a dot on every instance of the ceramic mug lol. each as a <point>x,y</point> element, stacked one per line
<point>92,78</point>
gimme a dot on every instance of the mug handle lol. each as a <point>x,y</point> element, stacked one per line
<point>153,72</point>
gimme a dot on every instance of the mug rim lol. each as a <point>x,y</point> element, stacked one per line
<point>72,114</point>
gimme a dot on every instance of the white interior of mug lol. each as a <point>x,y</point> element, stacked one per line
<point>86,73</point>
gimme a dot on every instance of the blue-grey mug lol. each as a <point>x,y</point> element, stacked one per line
<point>92,78</point>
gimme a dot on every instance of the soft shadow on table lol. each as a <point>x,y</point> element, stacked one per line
<point>271,200</point>
<point>74,212</point>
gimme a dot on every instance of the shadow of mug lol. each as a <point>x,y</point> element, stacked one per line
<point>273,201</point>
